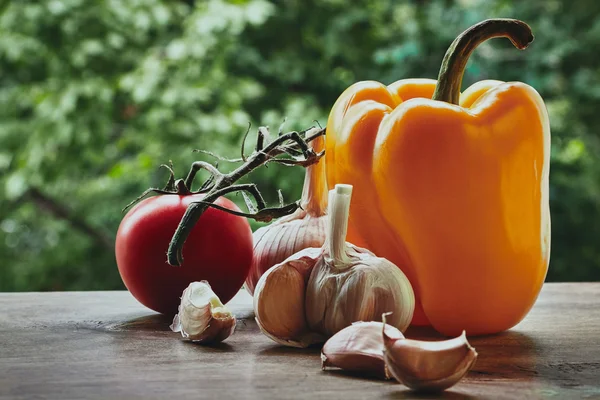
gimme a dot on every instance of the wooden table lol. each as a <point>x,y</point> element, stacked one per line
<point>106,345</point>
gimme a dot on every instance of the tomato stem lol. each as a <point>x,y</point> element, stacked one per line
<point>198,165</point>
<point>219,184</point>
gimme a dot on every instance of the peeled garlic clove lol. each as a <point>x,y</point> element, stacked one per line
<point>279,300</point>
<point>202,317</point>
<point>305,228</point>
<point>358,347</point>
<point>428,366</point>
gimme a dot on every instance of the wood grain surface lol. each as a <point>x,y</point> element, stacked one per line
<point>105,345</point>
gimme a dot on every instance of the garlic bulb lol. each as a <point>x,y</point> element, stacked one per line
<point>316,293</point>
<point>359,348</point>
<point>428,366</point>
<point>351,284</point>
<point>303,229</point>
<point>202,317</point>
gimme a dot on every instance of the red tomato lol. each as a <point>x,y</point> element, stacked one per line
<point>218,250</point>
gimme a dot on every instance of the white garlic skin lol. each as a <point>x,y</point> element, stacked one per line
<point>358,348</point>
<point>276,242</point>
<point>202,317</point>
<point>362,290</point>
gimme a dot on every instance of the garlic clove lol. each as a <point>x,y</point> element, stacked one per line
<point>358,348</point>
<point>279,300</point>
<point>202,317</point>
<point>428,366</point>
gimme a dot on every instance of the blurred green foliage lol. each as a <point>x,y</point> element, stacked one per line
<point>95,95</point>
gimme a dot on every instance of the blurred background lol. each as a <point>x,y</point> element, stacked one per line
<point>96,94</point>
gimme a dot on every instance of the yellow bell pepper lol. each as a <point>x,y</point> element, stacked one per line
<point>451,187</point>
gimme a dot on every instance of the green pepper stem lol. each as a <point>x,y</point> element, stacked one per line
<point>455,60</point>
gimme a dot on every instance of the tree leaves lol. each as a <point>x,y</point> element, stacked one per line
<point>94,96</point>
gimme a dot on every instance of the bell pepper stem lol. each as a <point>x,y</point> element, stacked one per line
<point>457,55</point>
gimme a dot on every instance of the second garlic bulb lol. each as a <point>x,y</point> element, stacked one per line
<point>303,229</point>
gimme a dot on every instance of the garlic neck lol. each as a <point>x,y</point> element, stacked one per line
<point>339,208</point>
<point>314,198</point>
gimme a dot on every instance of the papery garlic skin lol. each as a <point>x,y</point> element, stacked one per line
<point>279,300</point>
<point>358,348</point>
<point>276,242</point>
<point>368,287</point>
<point>350,284</point>
<point>428,366</point>
<point>303,229</point>
<point>202,317</point>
